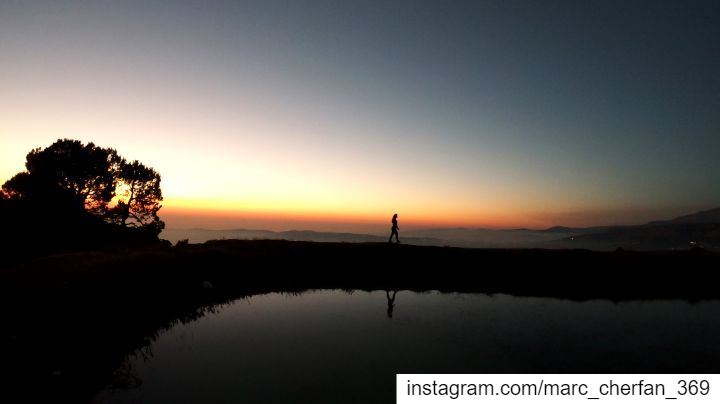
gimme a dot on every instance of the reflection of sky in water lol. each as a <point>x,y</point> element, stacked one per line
<point>285,348</point>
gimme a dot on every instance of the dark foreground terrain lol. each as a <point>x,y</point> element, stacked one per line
<point>70,320</point>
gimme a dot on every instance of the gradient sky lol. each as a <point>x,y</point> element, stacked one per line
<point>335,114</point>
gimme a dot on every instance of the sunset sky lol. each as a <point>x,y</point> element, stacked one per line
<point>335,114</point>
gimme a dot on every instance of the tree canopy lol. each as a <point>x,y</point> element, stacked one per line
<point>78,190</point>
<point>140,195</point>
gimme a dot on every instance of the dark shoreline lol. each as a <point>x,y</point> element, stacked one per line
<point>72,318</point>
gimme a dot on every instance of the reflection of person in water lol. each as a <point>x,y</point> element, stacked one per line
<point>391,302</point>
<point>394,230</point>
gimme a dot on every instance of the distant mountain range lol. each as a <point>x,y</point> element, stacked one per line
<point>202,235</point>
<point>705,216</point>
<point>700,228</point>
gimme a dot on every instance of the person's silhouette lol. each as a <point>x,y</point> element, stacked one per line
<point>394,230</point>
<point>391,302</point>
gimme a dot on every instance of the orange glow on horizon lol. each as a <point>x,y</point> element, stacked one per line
<point>229,212</point>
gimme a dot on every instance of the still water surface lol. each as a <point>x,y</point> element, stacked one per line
<point>340,347</point>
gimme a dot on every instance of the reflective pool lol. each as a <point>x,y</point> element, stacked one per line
<point>344,347</point>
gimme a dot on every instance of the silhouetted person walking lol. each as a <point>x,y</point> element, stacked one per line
<point>394,230</point>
